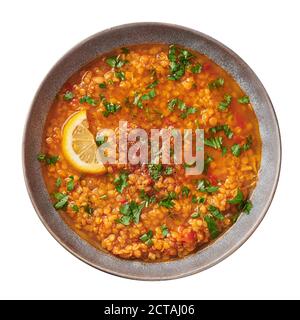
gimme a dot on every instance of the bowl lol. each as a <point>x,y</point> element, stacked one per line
<point>138,33</point>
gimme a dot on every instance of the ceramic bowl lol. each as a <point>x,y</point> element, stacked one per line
<point>138,33</point>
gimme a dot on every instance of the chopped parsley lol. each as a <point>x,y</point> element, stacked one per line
<point>179,59</point>
<point>125,50</point>
<point>120,75</point>
<point>215,84</point>
<point>121,182</point>
<point>146,198</point>
<point>168,171</point>
<point>148,96</point>
<point>58,182</point>
<point>75,208</point>
<point>168,202</point>
<point>185,191</point>
<point>223,105</point>
<point>110,108</point>
<point>212,226</point>
<point>244,100</point>
<point>115,62</point>
<point>237,149</point>
<point>68,95</point>
<point>196,68</point>
<point>208,159</point>
<point>102,85</point>
<point>147,238</point>
<point>214,142</point>
<point>243,205</point>
<point>164,230</point>
<point>48,159</point>
<point>195,215</point>
<point>205,186</point>
<point>228,132</point>
<point>215,212</point>
<point>155,170</point>
<point>131,212</point>
<point>88,100</point>
<point>88,209</point>
<point>70,183</point>
<point>198,200</point>
<point>186,110</point>
<point>100,140</point>
<point>153,84</point>
<point>62,200</point>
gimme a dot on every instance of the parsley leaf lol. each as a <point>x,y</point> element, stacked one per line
<point>115,62</point>
<point>215,212</point>
<point>125,50</point>
<point>164,230</point>
<point>188,111</point>
<point>88,100</point>
<point>215,84</point>
<point>195,215</point>
<point>228,132</point>
<point>168,171</point>
<point>146,198</point>
<point>102,85</point>
<point>153,84</point>
<point>185,191</point>
<point>120,75</point>
<point>131,212</point>
<point>238,198</point>
<point>89,210</point>
<point>62,200</point>
<point>214,142</point>
<point>168,202</point>
<point>58,182</point>
<point>205,186</point>
<point>212,227</point>
<point>236,150</point>
<point>75,208</point>
<point>244,100</point>
<point>196,68</point>
<point>208,159</point>
<point>198,199</point>
<point>121,182</point>
<point>223,105</point>
<point>179,59</point>
<point>100,140</point>
<point>70,183</point>
<point>147,238</point>
<point>68,96</point>
<point>155,170</point>
<point>110,108</point>
<point>48,159</point>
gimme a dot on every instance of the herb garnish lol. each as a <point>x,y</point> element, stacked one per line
<point>48,159</point>
<point>212,227</point>
<point>185,191</point>
<point>214,142</point>
<point>121,182</point>
<point>179,59</point>
<point>146,198</point>
<point>120,75</point>
<point>168,202</point>
<point>243,205</point>
<point>215,212</point>
<point>223,105</point>
<point>131,212</point>
<point>68,95</point>
<point>215,84</point>
<point>205,186</point>
<point>225,128</point>
<point>102,85</point>
<point>88,100</point>
<point>110,108</point>
<point>237,149</point>
<point>115,62</point>
<point>58,182</point>
<point>244,100</point>
<point>155,170</point>
<point>164,230</point>
<point>62,200</point>
<point>147,238</point>
<point>196,68</point>
<point>70,183</point>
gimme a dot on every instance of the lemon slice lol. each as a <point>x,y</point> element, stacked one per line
<point>79,146</point>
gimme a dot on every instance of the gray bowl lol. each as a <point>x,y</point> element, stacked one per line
<point>138,33</point>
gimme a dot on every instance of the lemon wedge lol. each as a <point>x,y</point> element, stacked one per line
<point>79,146</point>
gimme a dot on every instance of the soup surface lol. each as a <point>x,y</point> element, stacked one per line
<point>151,212</point>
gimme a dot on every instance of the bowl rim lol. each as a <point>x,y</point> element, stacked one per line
<point>240,242</point>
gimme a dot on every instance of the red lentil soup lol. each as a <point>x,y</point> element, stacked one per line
<point>153,212</point>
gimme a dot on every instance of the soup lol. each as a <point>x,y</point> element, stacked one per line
<point>151,211</point>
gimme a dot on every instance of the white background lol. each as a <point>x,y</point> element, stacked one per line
<point>35,34</point>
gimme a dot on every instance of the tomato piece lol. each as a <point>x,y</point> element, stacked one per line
<point>212,179</point>
<point>206,66</point>
<point>190,236</point>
